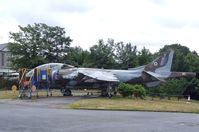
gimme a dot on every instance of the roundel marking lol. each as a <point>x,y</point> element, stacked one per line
<point>155,63</point>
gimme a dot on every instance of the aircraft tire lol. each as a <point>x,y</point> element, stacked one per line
<point>66,92</point>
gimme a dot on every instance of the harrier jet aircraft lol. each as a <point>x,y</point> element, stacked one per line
<point>67,77</point>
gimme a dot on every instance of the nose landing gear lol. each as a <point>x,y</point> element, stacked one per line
<point>66,92</point>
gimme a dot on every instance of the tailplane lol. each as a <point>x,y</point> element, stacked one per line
<point>162,63</point>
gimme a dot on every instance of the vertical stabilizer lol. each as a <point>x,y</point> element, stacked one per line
<point>162,63</point>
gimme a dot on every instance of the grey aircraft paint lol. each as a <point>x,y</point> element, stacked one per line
<point>152,74</point>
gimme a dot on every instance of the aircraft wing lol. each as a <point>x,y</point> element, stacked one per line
<point>101,75</point>
<point>155,75</point>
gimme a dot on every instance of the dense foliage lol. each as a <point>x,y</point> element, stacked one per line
<point>171,87</point>
<point>110,55</point>
<point>37,44</point>
<point>128,90</point>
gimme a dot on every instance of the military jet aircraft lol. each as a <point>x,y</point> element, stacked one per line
<point>67,77</point>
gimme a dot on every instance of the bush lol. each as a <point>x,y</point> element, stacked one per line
<point>139,91</point>
<point>127,90</point>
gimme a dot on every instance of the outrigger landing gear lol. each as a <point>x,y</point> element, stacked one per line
<point>66,92</point>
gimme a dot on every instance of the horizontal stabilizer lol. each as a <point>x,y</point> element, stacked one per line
<point>155,75</point>
<point>153,84</point>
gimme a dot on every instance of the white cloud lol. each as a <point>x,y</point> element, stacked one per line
<point>149,23</point>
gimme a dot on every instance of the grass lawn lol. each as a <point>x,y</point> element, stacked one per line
<point>118,103</point>
<point>8,94</point>
<point>137,104</point>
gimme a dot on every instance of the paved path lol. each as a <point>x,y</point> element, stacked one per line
<point>51,102</point>
<point>36,118</point>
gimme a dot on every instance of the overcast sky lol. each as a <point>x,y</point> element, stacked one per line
<point>149,23</point>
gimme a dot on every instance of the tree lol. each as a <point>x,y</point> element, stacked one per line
<point>37,44</point>
<point>144,56</point>
<point>126,55</point>
<point>78,57</point>
<point>102,54</point>
<point>192,62</point>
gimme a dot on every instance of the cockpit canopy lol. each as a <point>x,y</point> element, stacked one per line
<point>53,66</point>
<point>66,66</point>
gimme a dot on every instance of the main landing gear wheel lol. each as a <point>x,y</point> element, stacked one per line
<point>108,92</point>
<point>66,92</point>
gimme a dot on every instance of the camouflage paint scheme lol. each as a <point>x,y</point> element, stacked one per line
<point>67,77</point>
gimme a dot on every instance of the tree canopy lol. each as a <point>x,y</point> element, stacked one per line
<point>78,57</point>
<point>126,55</point>
<point>102,54</point>
<point>37,44</point>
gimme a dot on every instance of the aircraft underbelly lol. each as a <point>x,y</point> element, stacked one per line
<point>127,77</point>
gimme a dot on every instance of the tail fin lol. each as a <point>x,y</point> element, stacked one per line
<point>162,63</point>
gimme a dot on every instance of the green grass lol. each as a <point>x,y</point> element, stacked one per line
<point>136,104</point>
<point>8,94</point>
<point>118,103</point>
